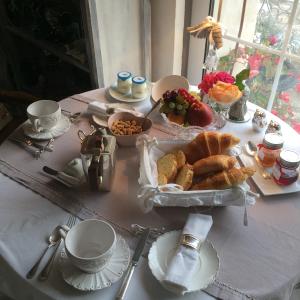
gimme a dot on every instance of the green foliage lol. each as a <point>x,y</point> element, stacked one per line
<point>240,77</point>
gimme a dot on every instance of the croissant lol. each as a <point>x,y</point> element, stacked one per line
<point>214,163</point>
<point>209,143</point>
<point>225,179</point>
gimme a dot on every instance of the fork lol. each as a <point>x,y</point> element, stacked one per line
<point>48,267</point>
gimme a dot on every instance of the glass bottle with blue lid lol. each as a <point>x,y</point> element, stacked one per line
<point>124,82</point>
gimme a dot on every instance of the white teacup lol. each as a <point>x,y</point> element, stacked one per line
<point>90,244</point>
<point>43,114</point>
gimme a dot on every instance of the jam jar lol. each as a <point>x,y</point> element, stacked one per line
<point>270,149</point>
<point>285,170</point>
<point>124,82</point>
<point>139,87</point>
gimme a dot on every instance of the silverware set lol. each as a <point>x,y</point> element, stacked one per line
<point>34,147</point>
<point>53,240</point>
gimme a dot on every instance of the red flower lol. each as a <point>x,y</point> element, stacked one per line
<point>298,87</point>
<point>211,78</point>
<point>253,73</point>
<point>274,112</point>
<point>255,61</point>
<point>273,40</point>
<point>285,97</point>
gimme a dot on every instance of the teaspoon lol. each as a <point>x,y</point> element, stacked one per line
<point>54,238</point>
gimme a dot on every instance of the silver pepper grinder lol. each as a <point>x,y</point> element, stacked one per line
<point>259,120</point>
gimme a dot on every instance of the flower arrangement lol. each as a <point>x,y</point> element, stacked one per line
<point>223,88</point>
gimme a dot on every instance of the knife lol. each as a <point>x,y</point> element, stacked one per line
<point>136,256</point>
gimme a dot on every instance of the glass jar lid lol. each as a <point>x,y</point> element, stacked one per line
<point>273,141</point>
<point>289,159</point>
<point>138,79</point>
<point>124,75</point>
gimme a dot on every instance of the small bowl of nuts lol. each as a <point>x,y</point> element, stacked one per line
<point>126,127</point>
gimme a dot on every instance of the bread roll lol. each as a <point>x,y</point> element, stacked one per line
<point>214,163</point>
<point>225,179</point>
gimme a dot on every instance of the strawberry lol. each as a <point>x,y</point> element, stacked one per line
<point>199,114</point>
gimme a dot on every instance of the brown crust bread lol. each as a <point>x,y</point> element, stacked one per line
<point>180,158</point>
<point>214,163</point>
<point>162,179</point>
<point>225,179</point>
<point>209,143</point>
<point>185,177</point>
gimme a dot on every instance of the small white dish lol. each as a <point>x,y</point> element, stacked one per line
<point>163,250</point>
<point>172,82</point>
<point>62,127</point>
<point>109,274</point>
<point>116,95</point>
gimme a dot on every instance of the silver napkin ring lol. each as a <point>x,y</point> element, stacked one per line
<point>190,241</point>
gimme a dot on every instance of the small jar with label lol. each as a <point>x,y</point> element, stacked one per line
<point>270,149</point>
<point>139,87</point>
<point>124,82</point>
<point>285,170</point>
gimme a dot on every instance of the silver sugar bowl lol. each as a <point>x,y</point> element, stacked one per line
<point>259,120</point>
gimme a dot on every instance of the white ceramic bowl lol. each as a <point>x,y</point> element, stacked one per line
<point>170,82</point>
<point>129,140</point>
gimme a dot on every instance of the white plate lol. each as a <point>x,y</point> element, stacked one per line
<point>171,82</point>
<point>268,187</point>
<point>164,248</point>
<point>115,95</point>
<point>110,273</point>
<point>62,126</point>
<point>102,120</point>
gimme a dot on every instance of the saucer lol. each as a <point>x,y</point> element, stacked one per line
<point>62,126</point>
<point>165,247</point>
<point>109,274</point>
<point>115,95</point>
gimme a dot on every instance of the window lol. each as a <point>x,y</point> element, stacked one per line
<point>264,34</point>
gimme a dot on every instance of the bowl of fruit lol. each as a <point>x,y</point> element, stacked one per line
<point>184,112</point>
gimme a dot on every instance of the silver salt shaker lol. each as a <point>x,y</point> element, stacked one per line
<point>259,120</point>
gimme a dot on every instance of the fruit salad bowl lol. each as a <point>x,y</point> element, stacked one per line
<point>185,114</point>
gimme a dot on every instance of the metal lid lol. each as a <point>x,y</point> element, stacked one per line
<point>273,141</point>
<point>124,75</point>
<point>289,159</point>
<point>138,79</point>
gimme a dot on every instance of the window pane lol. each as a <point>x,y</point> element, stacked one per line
<point>287,104</point>
<point>265,21</point>
<point>262,69</point>
<point>294,42</point>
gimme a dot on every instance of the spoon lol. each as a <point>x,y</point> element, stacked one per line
<point>54,238</point>
<point>251,150</point>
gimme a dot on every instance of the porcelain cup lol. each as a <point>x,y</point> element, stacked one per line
<point>44,114</point>
<point>90,244</point>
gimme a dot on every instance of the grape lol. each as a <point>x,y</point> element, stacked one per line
<point>182,112</point>
<point>179,107</point>
<point>172,105</point>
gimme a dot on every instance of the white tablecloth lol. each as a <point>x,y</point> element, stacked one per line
<point>26,219</point>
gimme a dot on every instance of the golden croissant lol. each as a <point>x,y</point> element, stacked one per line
<point>214,163</point>
<point>209,143</point>
<point>225,179</point>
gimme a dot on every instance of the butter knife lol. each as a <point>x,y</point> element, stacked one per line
<point>31,143</point>
<point>136,256</point>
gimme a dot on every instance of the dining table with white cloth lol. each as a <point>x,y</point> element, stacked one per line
<point>258,261</point>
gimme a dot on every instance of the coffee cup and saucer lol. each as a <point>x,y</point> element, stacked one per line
<point>45,120</point>
<point>94,256</point>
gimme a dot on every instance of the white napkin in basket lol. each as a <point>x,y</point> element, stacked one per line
<point>183,265</point>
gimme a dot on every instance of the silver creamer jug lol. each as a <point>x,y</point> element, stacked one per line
<point>98,159</point>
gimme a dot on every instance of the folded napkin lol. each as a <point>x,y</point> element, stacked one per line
<point>100,109</point>
<point>72,174</point>
<point>184,262</point>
